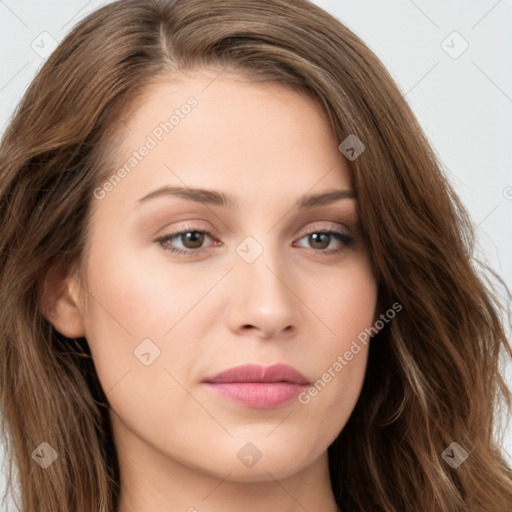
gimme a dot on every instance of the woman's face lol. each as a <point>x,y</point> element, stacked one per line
<point>254,176</point>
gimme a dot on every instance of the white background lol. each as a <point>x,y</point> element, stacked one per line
<point>464,103</point>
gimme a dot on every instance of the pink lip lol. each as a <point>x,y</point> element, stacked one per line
<point>261,387</point>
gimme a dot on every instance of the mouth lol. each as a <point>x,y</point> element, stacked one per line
<point>260,387</point>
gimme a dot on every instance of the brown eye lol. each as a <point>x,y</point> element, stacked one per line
<point>325,241</point>
<point>319,240</point>
<point>187,242</point>
<point>192,239</point>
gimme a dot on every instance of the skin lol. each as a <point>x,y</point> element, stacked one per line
<point>177,441</point>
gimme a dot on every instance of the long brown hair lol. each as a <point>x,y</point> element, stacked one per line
<point>433,375</point>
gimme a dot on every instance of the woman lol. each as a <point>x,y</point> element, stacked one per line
<point>255,287</point>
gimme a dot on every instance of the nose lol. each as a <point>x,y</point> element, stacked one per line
<point>262,299</point>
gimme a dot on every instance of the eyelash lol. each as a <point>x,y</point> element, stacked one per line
<point>346,240</point>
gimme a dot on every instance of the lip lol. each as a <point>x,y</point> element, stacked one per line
<point>261,387</point>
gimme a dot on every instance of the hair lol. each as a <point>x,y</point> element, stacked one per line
<point>433,373</point>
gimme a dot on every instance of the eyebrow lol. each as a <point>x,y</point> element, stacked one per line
<point>217,198</point>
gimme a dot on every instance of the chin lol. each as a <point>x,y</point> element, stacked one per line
<point>261,460</point>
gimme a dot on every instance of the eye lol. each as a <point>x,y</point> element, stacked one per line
<point>192,241</point>
<point>322,239</point>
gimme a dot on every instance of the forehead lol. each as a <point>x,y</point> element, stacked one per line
<point>225,132</point>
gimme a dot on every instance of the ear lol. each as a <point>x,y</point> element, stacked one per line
<point>59,301</point>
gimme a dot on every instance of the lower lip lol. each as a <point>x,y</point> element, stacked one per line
<point>260,395</point>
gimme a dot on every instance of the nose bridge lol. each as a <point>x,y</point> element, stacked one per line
<point>264,298</point>
<point>261,263</point>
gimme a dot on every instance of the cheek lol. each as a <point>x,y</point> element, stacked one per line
<point>130,309</point>
<point>125,304</point>
<point>344,302</point>
<point>134,299</point>
<point>141,311</point>
<point>347,310</point>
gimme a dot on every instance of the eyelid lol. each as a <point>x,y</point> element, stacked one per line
<point>335,226</point>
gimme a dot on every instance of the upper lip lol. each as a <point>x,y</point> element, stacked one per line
<point>259,373</point>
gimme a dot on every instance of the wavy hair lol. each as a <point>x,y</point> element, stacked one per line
<point>433,374</point>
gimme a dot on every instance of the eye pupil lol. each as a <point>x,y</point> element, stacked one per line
<point>195,238</point>
<point>320,238</point>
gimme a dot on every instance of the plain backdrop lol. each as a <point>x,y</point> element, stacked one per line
<point>451,60</point>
